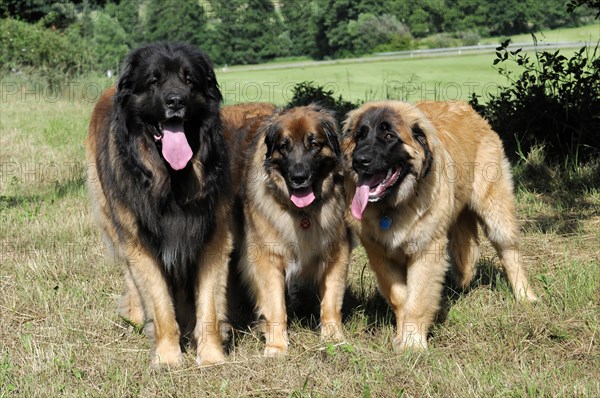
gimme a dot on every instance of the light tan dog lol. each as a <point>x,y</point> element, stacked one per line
<point>287,175</point>
<point>421,178</point>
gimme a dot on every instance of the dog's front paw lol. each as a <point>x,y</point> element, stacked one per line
<point>275,351</point>
<point>130,308</point>
<point>332,331</point>
<point>166,356</point>
<point>210,357</point>
<point>410,342</point>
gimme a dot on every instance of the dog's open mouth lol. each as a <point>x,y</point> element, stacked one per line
<point>302,197</point>
<point>175,148</point>
<point>371,188</point>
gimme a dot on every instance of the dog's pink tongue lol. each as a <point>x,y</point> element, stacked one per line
<point>361,195</point>
<point>303,197</point>
<point>175,148</point>
<point>360,200</point>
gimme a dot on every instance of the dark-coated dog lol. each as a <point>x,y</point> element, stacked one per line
<point>159,184</point>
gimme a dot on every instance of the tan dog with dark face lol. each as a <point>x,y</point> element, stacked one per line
<point>421,178</point>
<point>291,188</point>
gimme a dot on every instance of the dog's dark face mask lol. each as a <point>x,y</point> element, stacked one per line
<point>303,148</point>
<point>170,89</point>
<point>380,158</point>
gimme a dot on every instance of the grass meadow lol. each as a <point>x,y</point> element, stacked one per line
<point>447,78</point>
<point>444,78</point>
<point>588,33</point>
<point>61,336</point>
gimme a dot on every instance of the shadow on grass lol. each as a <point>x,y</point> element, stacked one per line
<point>564,189</point>
<point>303,308</point>
<point>11,201</point>
<point>303,305</point>
<point>59,190</point>
<point>566,217</point>
<point>567,194</point>
<point>70,186</point>
<point>487,274</point>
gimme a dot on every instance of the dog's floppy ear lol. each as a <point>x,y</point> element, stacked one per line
<point>204,67</point>
<point>125,83</point>
<point>349,122</point>
<point>126,86</point>
<point>212,85</point>
<point>126,140</point>
<point>330,128</point>
<point>421,138</point>
<point>271,132</point>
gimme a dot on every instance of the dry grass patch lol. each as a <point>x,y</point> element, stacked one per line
<point>61,335</point>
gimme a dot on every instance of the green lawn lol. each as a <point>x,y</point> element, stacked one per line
<point>440,78</point>
<point>445,78</point>
<point>588,34</point>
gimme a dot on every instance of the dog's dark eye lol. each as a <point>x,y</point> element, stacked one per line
<point>284,147</point>
<point>314,144</point>
<point>389,137</point>
<point>188,80</point>
<point>362,132</point>
<point>153,80</point>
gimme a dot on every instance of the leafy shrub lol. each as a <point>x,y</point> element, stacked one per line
<point>397,43</point>
<point>51,55</point>
<point>469,38</point>
<point>374,33</point>
<point>554,102</point>
<point>32,45</point>
<point>441,40</point>
<point>96,42</point>
<point>306,93</point>
<point>446,40</point>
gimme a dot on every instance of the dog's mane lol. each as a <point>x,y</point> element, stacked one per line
<point>174,211</point>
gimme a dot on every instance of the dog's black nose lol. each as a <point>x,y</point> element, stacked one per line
<point>175,101</point>
<point>361,160</point>
<point>299,174</point>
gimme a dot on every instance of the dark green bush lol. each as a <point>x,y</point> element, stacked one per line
<point>555,102</point>
<point>32,45</point>
<point>305,93</point>
<point>378,33</point>
<point>97,42</point>
<point>396,43</point>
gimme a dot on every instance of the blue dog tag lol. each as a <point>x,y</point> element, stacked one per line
<point>385,223</point>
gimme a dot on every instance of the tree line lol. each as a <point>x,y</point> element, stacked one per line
<point>83,35</point>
